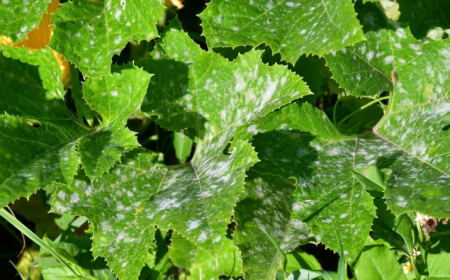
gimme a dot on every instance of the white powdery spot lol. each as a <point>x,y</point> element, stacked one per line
<point>105,226</point>
<point>74,198</point>
<point>401,203</point>
<point>389,59</point>
<point>370,55</point>
<point>168,203</point>
<point>343,215</point>
<point>121,236</point>
<point>118,14</point>
<point>202,237</point>
<point>62,195</point>
<point>292,4</point>
<point>114,93</point>
<point>193,225</point>
<point>252,129</point>
<point>117,40</point>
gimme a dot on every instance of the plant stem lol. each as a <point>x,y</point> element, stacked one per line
<point>362,108</point>
<point>22,228</point>
<point>334,111</point>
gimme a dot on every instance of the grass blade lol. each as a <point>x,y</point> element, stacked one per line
<point>22,228</point>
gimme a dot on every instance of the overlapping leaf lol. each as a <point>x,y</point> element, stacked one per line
<point>39,136</point>
<point>390,54</point>
<point>203,265</point>
<point>197,199</point>
<point>333,204</point>
<point>20,17</point>
<point>419,112</point>
<point>288,27</point>
<point>263,225</point>
<point>377,262</point>
<point>300,142</point>
<point>89,33</point>
<point>110,204</point>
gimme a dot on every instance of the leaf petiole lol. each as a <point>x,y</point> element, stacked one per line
<point>362,108</point>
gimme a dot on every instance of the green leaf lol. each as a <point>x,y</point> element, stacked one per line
<point>115,98</point>
<point>290,28</point>
<point>402,225</point>
<point>304,274</point>
<point>299,260</point>
<point>365,69</point>
<point>45,132</point>
<point>377,262</point>
<point>203,265</point>
<point>243,90</point>
<point>110,205</point>
<point>182,145</point>
<point>263,217</point>
<point>20,17</point>
<point>309,148</point>
<point>195,199</point>
<point>89,33</point>
<point>42,154</point>
<point>414,130</point>
<point>391,55</point>
<point>438,256</point>
<point>422,16</point>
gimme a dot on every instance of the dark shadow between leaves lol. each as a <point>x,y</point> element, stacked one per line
<point>23,92</point>
<point>285,153</point>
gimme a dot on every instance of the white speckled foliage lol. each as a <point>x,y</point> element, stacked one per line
<point>20,17</point>
<point>262,171</point>
<point>58,143</point>
<point>300,142</point>
<point>89,33</point>
<point>262,214</point>
<point>417,74</point>
<point>186,198</point>
<point>110,204</point>
<point>289,27</point>
<point>392,54</point>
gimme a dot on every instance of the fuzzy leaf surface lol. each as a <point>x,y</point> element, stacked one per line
<point>300,142</point>
<point>115,97</point>
<point>188,198</point>
<point>262,214</point>
<point>20,17</point>
<point>89,33</point>
<point>203,265</point>
<point>110,205</point>
<point>195,199</point>
<point>39,135</point>
<point>419,109</point>
<point>391,55</point>
<point>290,28</point>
